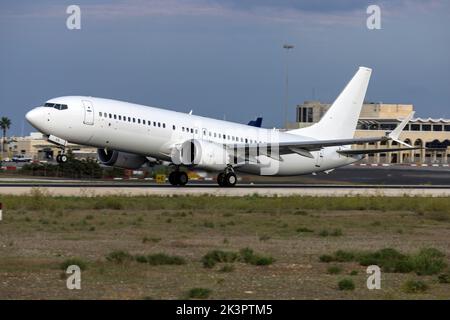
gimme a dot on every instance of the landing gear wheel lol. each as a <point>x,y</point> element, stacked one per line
<point>173,178</point>
<point>230,179</point>
<point>220,179</point>
<point>63,158</point>
<point>178,178</point>
<point>58,158</point>
<point>182,178</point>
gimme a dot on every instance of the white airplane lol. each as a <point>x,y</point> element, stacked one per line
<point>128,135</point>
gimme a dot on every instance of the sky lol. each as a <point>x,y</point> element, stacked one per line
<point>223,59</point>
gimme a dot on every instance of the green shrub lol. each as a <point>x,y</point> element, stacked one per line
<point>336,233</point>
<point>324,233</point>
<point>199,293</point>
<point>140,259</point>
<point>334,270</point>
<point>164,259</point>
<point>74,261</point>
<point>354,273</point>
<point>344,256</point>
<point>326,258</point>
<point>346,284</point>
<point>444,278</point>
<point>248,256</point>
<point>304,229</point>
<point>213,257</point>
<point>415,286</point>
<point>119,256</point>
<point>264,237</point>
<point>227,268</point>
<point>428,261</point>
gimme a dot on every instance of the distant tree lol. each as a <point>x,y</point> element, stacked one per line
<point>5,124</point>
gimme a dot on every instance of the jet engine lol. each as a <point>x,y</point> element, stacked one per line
<point>120,159</point>
<point>202,154</point>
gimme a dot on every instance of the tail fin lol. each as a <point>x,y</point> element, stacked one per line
<point>339,122</point>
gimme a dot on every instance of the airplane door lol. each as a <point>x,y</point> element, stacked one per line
<point>88,112</point>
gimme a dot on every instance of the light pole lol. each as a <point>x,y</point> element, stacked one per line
<point>287,47</point>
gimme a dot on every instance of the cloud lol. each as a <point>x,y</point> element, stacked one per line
<point>314,11</point>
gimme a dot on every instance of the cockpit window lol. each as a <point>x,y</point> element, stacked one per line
<point>56,106</point>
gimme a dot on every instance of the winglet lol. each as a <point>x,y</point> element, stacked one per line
<point>395,134</point>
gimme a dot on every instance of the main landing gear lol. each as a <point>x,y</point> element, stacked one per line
<point>178,178</point>
<point>227,178</point>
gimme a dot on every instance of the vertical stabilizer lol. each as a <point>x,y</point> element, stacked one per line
<point>340,121</point>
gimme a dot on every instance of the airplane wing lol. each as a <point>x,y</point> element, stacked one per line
<point>371,151</point>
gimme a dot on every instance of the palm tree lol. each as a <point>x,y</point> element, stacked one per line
<point>5,124</point>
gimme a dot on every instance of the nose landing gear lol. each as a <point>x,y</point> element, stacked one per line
<point>61,158</point>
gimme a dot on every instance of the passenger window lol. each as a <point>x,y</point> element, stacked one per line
<point>139,120</point>
<point>159,124</point>
<point>134,119</point>
<point>164,125</point>
<point>110,115</point>
<point>120,117</point>
<point>173,127</point>
<point>115,117</point>
<point>100,114</point>
<point>192,130</point>
<point>129,119</point>
<point>154,123</point>
<point>182,129</point>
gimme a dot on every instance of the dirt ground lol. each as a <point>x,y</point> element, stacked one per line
<point>34,243</point>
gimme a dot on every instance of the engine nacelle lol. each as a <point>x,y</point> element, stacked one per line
<point>202,154</point>
<point>120,159</point>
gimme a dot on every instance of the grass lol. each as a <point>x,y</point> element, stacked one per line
<point>140,230</point>
<point>199,293</point>
<point>436,208</point>
<point>427,261</point>
<point>415,286</point>
<point>346,284</point>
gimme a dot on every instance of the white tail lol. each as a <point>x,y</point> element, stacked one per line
<point>339,122</point>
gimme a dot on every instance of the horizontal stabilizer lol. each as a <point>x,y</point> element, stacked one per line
<point>395,134</point>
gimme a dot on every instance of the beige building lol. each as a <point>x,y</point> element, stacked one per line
<point>37,147</point>
<point>377,118</point>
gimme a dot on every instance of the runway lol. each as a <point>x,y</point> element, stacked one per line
<point>348,181</point>
<point>197,189</point>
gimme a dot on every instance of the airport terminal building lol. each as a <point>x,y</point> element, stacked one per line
<point>377,118</point>
<point>37,147</point>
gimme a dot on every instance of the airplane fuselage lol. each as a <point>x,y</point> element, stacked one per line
<point>153,132</point>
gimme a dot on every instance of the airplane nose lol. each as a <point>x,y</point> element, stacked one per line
<point>35,117</point>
